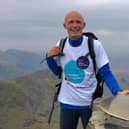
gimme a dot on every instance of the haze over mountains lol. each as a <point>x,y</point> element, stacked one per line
<point>15,63</point>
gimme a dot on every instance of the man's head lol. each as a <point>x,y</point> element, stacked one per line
<point>74,24</point>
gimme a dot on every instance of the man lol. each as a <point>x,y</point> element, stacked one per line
<point>79,83</point>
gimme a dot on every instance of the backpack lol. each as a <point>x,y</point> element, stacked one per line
<point>99,88</point>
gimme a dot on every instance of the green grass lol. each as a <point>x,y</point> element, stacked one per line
<point>14,113</point>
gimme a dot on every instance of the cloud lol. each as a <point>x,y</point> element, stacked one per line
<point>89,3</point>
<point>38,24</point>
<point>100,3</point>
<point>105,32</point>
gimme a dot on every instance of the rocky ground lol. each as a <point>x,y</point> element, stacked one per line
<point>100,120</point>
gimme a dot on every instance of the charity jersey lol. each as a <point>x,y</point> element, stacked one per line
<point>78,77</point>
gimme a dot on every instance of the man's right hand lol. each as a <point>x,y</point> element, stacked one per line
<point>53,51</point>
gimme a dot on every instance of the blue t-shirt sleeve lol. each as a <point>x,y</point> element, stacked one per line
<point>53,66</point>
<point>109,79</point>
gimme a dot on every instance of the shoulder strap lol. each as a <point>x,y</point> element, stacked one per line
<point>99,89</point>
<point>92,52</point>
<point>61,45</point>
<point>91,37</point>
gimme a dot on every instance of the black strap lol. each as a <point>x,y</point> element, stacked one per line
<point>92,52</point>
<point>61,45</point>
<point>90,35</point>
<point>58,86</point>
<point>99,89</point>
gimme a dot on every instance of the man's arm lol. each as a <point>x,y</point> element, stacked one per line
<point>53,66</point>
<point>51,62</point>
<point>109,79</point>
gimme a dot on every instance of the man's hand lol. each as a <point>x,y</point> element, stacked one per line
<point>124,92</point>
<point>53,51</point>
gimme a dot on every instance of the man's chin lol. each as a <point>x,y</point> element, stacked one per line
<point>75,36</point>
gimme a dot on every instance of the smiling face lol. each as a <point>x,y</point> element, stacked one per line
<point>74,24</point>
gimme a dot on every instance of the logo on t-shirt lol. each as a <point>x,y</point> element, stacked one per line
<point>83,62</point>
<point>73,73</point>
<point>74,70</point>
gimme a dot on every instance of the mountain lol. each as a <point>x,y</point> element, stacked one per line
<point>15,63</point>
<point>25,102</point>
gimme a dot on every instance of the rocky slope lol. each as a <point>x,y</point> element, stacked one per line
<point>25,102</point>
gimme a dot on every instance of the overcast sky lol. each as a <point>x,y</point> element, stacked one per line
<point>35,25</point>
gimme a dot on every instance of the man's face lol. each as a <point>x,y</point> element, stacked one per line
<point>74,24</point>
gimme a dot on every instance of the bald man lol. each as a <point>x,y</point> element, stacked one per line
<point>78,78</point>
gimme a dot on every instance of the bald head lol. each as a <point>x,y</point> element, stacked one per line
<point>74,24</point>
<point>72,14</point>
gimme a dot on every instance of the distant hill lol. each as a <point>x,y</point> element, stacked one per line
<point>15,63</point>
<point>26,101</point>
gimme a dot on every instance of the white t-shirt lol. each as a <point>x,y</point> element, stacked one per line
<point>79,81</point>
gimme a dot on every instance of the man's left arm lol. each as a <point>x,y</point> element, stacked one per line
<point>110,80</point>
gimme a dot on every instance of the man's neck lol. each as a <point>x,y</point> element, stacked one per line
<point>77,42</point>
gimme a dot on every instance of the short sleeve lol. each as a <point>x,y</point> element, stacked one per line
<point>101,55</point>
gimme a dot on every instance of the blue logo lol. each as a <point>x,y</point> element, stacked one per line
<point>73,73</point>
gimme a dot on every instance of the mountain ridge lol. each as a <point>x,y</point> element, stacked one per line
<point>30,98</point>
<point>15,63</point>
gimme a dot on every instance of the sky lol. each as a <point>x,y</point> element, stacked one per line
<point>36,25</point>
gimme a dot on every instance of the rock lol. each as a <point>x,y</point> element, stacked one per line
<point>101,120</point>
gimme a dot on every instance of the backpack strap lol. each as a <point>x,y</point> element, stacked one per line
<point>92,52</point>
<point>61,45</point>
<point>91,37</point>
<point>99,89</point>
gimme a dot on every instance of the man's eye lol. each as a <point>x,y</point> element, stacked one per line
<point>71,22</point>
<point>78,22</point>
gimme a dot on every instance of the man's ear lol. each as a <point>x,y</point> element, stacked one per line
<point>64,25</point>
<point>84,24</point>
